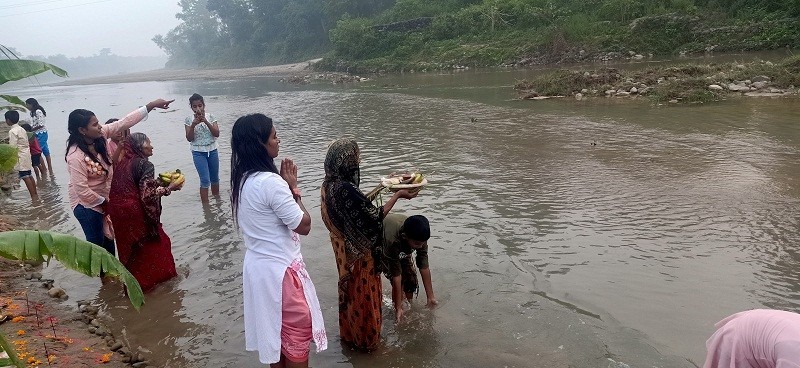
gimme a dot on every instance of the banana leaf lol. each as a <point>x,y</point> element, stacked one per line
<point>8,157</point>
<point>13,99</point>
<point>76,254</point>
<point>16,69</point>
<point>12,356</point>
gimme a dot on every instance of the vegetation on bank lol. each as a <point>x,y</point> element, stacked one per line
<point>524,32</point>
<point>392,35</point>
<point>685,84</point>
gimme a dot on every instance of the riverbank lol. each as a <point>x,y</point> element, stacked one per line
<point>691,83</point>
<point>37,318</point>
<point>296,73</point>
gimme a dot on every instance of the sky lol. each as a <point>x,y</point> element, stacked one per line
<point>84,27</point>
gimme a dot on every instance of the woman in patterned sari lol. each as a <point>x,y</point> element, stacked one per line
<point>135,209</point>
<point>356,230</point>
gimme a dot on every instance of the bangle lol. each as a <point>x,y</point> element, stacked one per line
<point>296,193</point>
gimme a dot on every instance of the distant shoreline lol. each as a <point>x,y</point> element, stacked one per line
<point>159,75</point>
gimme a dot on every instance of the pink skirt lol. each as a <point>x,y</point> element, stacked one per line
<point>296,319</point>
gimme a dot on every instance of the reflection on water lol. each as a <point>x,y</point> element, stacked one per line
<point>564,234</point>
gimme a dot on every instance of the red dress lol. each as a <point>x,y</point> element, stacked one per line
<point>135,209</point>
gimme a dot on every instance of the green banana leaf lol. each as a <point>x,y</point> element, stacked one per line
<point>16,69</point>
<point>12,356</point>
<point>8,157</point>
<point>13,99</point>
<point>76,254</point>
<point>17,102</point>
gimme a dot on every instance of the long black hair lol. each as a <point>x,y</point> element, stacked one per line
<point>249,155</point>
<point>32,101</point>
<point>80,118</point>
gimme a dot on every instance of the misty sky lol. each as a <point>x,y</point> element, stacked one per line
<point>83,27</point>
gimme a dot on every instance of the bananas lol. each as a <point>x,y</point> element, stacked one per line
<point>168,177</point>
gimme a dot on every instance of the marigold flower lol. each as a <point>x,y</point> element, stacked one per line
<point>21,332</point>
<point>106,358</point>
<point>17,319</point>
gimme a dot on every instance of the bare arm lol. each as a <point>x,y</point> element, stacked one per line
<point>426,281</point>
<point>190,131</point>
<point>212,126</point>
<point>305,224</point>
<point>397,297</point>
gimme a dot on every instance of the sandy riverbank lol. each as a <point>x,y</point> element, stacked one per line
<point>50,331</point>
<point>285,70</point>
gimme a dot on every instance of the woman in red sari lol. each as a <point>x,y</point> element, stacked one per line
<point>135,208</point>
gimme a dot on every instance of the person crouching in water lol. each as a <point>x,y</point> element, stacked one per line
<point>402,237</point>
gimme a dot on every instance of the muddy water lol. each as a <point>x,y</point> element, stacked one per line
<point>565,234</point>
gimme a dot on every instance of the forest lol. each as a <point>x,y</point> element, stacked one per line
<point>373,35</point>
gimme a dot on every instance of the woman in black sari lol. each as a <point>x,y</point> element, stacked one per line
<point>356,230</point>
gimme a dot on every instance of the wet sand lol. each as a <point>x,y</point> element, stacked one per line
<point>286,70</point>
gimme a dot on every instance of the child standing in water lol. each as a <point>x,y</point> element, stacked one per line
<point>37,123</point>
<point>202,133</point>
<point>18,137</point>
<point>36,151</point>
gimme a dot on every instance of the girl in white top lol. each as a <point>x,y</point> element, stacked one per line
<point>281,311</point>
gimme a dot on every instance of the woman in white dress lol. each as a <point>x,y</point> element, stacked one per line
<point>281,311</point>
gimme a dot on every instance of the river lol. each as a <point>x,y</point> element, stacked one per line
<point>599,233</point>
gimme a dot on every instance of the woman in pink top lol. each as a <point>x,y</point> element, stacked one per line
<point>90,169</point>
<point>759,338</point>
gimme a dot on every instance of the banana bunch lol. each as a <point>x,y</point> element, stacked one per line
<point>168,177</point>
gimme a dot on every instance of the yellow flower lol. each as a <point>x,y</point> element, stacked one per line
<point>20,332</point>
<point>51,358</point>
<point>86,348</point>
<point>17,319</point>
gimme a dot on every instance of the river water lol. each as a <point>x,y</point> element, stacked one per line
<point>599,233</point>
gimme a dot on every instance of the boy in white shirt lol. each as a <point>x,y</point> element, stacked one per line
<point>18,137</point>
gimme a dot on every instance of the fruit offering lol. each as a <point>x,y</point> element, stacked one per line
<point>168,177</point>
<point>404,180</point>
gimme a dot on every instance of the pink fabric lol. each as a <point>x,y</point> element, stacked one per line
<point>759,338</point>
<point>296,322</point>
<point>111,147</point>
<point>89,189</point>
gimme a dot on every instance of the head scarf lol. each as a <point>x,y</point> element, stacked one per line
<point>341,163</point>
<point>134,146</point>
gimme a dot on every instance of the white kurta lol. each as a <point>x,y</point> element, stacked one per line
<point>267,215</point>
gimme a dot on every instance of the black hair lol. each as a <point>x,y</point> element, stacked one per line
<point>417,228</point>
<point>32,101</point>
<point>196,97</point>
<point>109,121</point>
<point>12,115</point>
<point>248,153</point>
<point>80,118</point>
<point>27,127</point>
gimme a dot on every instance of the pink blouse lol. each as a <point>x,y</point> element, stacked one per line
<point>90,182</point>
